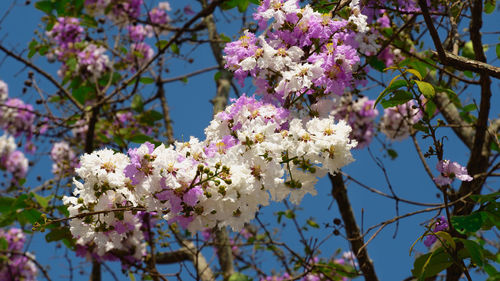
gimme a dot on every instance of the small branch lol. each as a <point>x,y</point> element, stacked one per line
<point>180,77</point>
<point>203,270</point>
<point>339,192</point>
<point>45,74</point>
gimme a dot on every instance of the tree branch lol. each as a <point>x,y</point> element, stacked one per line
<point>339,192</point>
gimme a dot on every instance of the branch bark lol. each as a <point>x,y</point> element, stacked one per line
<point>339,192</point>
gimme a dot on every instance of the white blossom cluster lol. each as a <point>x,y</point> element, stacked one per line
<point>253,152</point>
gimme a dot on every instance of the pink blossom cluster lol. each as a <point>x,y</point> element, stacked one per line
<point>303,52</point>
<point>449,171</point>
<point>440,224</point>
<point>16,117</point>
<point>15,263</point>
<point>398,120</point>
<point>78,57</point>
<point>253,152</point>
<point>11,159</point>
<point>360,115</point>
<point>64,158</point>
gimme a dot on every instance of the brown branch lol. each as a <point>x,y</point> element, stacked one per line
<point>46,75</point>
<point>385,194</point>
<point>204,12</point>
<point>339,192</point>
<point>478,65</point>
<point>203,269</point>
<point>169,131</point>
<point>174,257</point>
<point>180,77</point>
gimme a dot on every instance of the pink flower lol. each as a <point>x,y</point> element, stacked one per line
<point>449,171</point>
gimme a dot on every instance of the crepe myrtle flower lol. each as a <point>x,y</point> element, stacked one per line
<point>449,171</point>
<point>440,224</point>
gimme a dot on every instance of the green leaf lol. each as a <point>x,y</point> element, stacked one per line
<point>217,75</point>
<point>497,49</point>
<point>82,93</point>
<point>469,107</point>
<point>399,97</point>
<point>430,108</point>
<point>489,6</point>
<point>175,49</point>
<point>468,50</point>
<point>71,64</point>
<point>376,63</point>
<point>89,21</point>
<point>140,138</point>
<point>392,153</point>
<point>243,5</point>
<point>43,201</point>
<point>6,204</point>
<point>31,215</point>
<point>237,276</point>
<point>147,80</point>
<point>161,44</point>
<point>137,103</point>
<point>414,72</point>
<point>394,86</point>
<point>43,50</point>
<point>470,223</point>
<point>469,74</point>
<point>431,264</point>
<point>45,6</point>
<point>475,251</point>
<point>224,38</point>
<point>426,89</point>
<point>33,48</point>
<point>131,276</point>
<point>58,233</point>
<point>445,236</point>
<point>312,223</point>
<point>4,245</point>
<point>485,198</point>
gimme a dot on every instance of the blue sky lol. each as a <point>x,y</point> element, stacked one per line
<point>191,112</point>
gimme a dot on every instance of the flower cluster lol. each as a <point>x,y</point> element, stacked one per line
<point>397,121</point>
<point>439,225</point>
<point>304,52</point>
<point>78,57</point>
<point>360,115</point>
<point>450,171</point>
<point>64,158</point>
<point>66,32</point>
<point>12,160</point>
<point>15,263</point>
<point>16,117</point>
<point>253,152</point>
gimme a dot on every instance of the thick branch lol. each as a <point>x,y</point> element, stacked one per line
<point>339,192</point>
<point>446,58</point>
